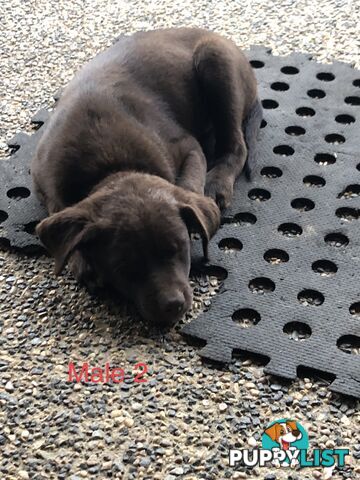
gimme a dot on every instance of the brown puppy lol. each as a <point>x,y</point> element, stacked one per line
<point>122,165</point>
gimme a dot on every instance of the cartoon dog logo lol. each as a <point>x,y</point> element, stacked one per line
<point>283,434</point>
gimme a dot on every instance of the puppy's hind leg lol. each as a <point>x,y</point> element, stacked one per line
<point>228,87</point>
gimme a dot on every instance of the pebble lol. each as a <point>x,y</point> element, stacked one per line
<point>129,422</point>
<point>116,413</point>
<point>92,460</point>
<point>345,420</point>
<point>145,462</point>
<point>25,434</point>
<point>9,387</point>
<point>252,442</point>
<point>23,475</point>
<point>328,473</point>
<point>177,471</point>
<point>207,441</point>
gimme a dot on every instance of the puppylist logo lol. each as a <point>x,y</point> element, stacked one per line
<point>285,443</point>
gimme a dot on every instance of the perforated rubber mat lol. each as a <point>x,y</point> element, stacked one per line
<point>20,210</point>
<point>289,247</point>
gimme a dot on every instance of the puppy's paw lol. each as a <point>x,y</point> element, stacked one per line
<point>219,189</point>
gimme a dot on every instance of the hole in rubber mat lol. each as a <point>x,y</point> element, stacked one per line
<point>305,112</point>
<point>325,76</point>
<point>3,216</point>
<point>284,150</point>
<point>195,342</point>
<point>325,158</point>
<point>230,245</point>
<point>269,104</point>
<point>261,285</point>
<point>320,376</point>
<point>345,119</point>
<point>246,317</point>
<point>271,172</point>
<point>295,130</point>
<point>36,125</point>
<point>242,218</point>
<point>257,63</point>
<point>276,256</point>
<point>353,100</point>
<point>245,218</point>
<point>263,123</point>
<point>290,229</point>
<point>311,297</point>
<point>259,194</point>
<point>351,191</point>
<point>280,86</point>
<point>348,214</point>
<point>355,309</point>
<point>302,204</point>
<point>254,359</point>
<point>297,331</point>
<point>4,243</point>
<point>289,70</point>
<point>335,138</point>
<point>358,167</point>
<point>13,149</point>
<point>336,240</point>
<point>349,344</point>
<point>325,268</point>
<point>30,227</point>
<point>18,193</point>
<point>211,271</point>
<point>314,181</point>
<point>356,82</point>
<point>316,93</point>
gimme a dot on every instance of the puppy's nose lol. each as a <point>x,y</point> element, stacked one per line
<point>175,304</point>
<point>296,433</point>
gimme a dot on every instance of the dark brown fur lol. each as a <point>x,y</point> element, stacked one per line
<point>122,166</point>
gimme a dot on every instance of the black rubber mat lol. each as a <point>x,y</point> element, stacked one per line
<point>289,247</point>
<point>20,209</point>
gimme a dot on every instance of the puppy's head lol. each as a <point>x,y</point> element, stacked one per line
<point>284,433</point>
<point>133,235</point>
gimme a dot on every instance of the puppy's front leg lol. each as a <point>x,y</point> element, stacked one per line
<point>221,178</point>
<point>192,169</point>
<point>193,172</point>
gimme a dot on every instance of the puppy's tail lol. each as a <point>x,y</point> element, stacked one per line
<point>251,128</point>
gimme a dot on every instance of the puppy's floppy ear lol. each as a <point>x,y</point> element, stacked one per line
<point>63,232</point>
<point>201,215</point>
<point>273,432</point>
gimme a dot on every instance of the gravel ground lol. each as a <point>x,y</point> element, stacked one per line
<point>181,423</point>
